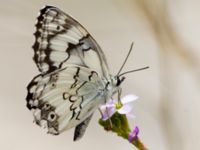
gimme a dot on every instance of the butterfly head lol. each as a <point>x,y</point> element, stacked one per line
<point>119,80</point>
<point>115,83</point>
<point>113,86</point>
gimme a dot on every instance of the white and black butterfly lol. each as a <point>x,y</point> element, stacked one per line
<point>74,77</point>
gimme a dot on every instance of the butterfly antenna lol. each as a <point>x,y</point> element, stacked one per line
<point>129,52</point>
<point>133,71</point>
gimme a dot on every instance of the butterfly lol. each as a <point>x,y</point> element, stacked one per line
<point>74,77</point>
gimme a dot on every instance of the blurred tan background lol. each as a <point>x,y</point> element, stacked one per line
<point>166,35</point>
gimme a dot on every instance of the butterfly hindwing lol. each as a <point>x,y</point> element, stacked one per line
<point>64,98</point>
<point>60,40</point>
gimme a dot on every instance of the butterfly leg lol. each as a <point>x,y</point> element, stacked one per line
<point>110,121</point>
<point>119,96</point>
<point>100,112</point>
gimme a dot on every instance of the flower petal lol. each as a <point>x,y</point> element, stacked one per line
<point>109,104</point>
<point>128,98</point>
<point>136,130</point>
<point>133,134</point>
<point>125,109</point>
<point>103,107</point>
<point>108,113</point>
<point>111,101</point>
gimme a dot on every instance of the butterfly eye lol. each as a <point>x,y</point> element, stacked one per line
<point>119,81</point>
<point>52,116</point>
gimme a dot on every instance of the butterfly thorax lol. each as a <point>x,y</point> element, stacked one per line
<point>112,86</point>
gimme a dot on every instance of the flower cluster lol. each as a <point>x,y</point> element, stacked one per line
<point>122,107</point>
<point>115,115</point>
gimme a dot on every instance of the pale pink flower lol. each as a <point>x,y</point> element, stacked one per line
<point>122,107</point>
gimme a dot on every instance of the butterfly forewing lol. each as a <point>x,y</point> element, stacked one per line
<point>61,40</point>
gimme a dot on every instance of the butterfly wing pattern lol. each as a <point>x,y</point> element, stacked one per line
<point>61,40</point>
<point>73,74</point>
